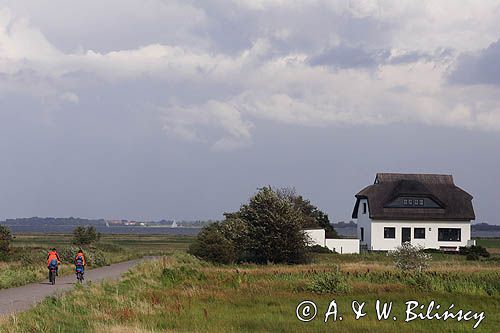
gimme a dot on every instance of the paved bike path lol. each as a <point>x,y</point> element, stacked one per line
<point>22,298</point>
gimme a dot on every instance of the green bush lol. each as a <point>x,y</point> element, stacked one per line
<point>273,230</point>
<point>32,258</point>
<point>93,257</point>
<point>212,245</point>
<point>96,258</point>
<point>474,252</point>
<point>472,256</point>
<point>319,249</point>
<point>330,282</point>
<point>5,239</point>
<point>85,235</point>
<point>68,254</point>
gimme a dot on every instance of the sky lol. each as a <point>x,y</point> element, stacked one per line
<point>152,109</point>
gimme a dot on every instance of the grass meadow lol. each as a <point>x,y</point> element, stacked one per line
<point>27,261</point>
<point>179,293</point>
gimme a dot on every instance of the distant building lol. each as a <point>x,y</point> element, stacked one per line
<point>114,222</point>
<point>423,209</point>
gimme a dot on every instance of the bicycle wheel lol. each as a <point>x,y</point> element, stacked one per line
<point>52,277</point>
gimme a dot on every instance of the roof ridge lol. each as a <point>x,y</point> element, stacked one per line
<point>432,178</point>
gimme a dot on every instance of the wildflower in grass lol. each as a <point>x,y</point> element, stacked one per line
<point>410,257</point>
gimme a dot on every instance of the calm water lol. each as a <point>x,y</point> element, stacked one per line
<point>66,229</point>
<point>485,234</point>
<point>351,232</point>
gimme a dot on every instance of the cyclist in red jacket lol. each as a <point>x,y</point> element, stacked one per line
<point>80,259</point>
<point>53,259</point>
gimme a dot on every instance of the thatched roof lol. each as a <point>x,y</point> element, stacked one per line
<point>454,203</point>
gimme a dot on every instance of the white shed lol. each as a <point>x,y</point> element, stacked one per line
<point>339,245</point>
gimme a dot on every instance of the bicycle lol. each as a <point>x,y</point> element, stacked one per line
<point>52,274</point>
<point>79,274</point>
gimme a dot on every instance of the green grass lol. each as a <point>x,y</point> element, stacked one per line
<point>179,293</point>
<point>154,244</point>
<point>491,243</point>
<point>27,261</point>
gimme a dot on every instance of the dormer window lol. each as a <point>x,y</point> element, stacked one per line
<point>412,202</point>
<point>364,208</point>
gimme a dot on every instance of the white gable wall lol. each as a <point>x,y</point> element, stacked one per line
<point>316,236</point>
<point>378,242</point>
<point>364,222</point>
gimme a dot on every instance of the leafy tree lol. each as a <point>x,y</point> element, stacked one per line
<point>5,239</point>
<point>85,235</point>
<point>274,229</point>
<point>312,216</point>
<point>267,229</point>
<point>212,244</point>
<point>236,231</point>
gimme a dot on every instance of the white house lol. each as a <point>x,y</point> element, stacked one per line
<point>339,245</point>
<point>425,209</point>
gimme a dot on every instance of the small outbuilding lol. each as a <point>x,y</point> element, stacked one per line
<point>339,245</point>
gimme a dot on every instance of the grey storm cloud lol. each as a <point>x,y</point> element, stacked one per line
<point>481,67</point>
<point>345,56</point>
<point>191,105</point>
<point>442,54</point>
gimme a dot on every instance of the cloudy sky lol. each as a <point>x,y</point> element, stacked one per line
<point>150,109</point>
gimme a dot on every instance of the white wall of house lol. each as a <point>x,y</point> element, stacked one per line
<point>378,242</point>
<point>316,236</point>
<point>343,246</point>
<point>364,222</point>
